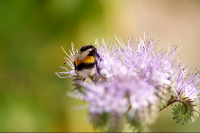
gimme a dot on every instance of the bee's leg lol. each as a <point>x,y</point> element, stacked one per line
<point>92,79</point>
<point>96,77</point>
<point>98,71</point>
<point>98,56</point>
<point>97,67</point>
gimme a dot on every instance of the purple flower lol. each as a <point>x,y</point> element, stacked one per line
<point>134,81</point>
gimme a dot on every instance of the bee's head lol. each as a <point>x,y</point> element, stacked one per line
<point>84,48</point>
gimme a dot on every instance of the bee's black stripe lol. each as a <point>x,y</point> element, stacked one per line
<point>85,66</point>
<point>75,66</point>
<point>84,48</point>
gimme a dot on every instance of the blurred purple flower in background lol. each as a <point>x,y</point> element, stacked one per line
<point>133,83</point>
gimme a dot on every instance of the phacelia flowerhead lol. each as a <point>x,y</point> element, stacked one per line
<point>131,81</point>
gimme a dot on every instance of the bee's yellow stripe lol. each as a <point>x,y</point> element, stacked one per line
<point>88,59</point>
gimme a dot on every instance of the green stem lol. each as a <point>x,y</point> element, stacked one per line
<point>171,102</point>
<point>127,111</point>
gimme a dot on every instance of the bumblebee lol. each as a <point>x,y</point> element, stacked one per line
<point>86,61</point>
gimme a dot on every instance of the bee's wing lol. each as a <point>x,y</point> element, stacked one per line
<point>73,58</point>
<point>84,54</point>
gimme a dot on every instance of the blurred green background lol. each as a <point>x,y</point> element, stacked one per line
<point>33,98</point>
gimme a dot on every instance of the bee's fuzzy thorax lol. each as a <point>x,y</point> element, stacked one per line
<point>87,60</point>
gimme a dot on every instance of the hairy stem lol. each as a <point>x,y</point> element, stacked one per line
<point>171,102</point>
<point>127,110</point>
<point>116,123</point>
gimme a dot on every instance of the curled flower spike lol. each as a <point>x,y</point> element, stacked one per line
<point>187,110</point>
<point>131,81</point>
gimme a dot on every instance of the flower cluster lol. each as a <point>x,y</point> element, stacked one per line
<point>133,82</point>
